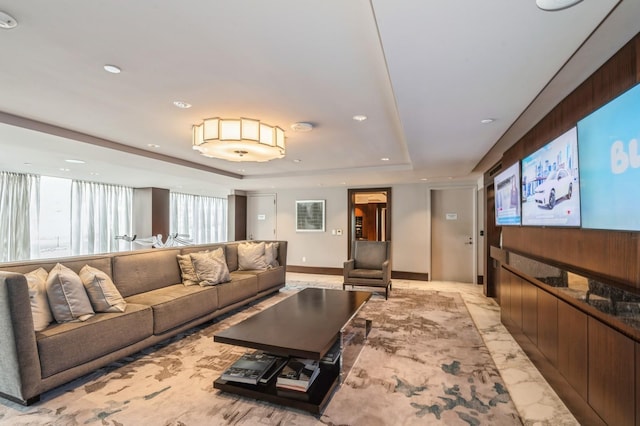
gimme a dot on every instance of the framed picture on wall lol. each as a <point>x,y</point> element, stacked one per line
<point>310,216</point>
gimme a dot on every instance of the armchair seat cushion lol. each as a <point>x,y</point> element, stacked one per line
<point>373,274</point>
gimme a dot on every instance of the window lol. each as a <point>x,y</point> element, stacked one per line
<point>55,218</point>
<point>203,219</point>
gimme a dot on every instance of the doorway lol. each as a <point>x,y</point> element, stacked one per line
<point>369,215</point>
<point>453,218</point>
<point>261,217</point>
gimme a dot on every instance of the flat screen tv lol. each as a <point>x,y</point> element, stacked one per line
<point>507,196</point>
<point>610,164</point>
<point>551,184</point>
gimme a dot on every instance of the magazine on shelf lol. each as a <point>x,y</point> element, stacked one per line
<point>298,374</point>
<point>249,368</point>
<point>274,370</point>
<point>332,354</point>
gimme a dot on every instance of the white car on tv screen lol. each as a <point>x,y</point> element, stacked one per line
<point>557,185</point>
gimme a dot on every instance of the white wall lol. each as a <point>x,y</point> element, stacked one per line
<point>410,219</point>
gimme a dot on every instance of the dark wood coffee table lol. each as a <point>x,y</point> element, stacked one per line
<point>305,325</point>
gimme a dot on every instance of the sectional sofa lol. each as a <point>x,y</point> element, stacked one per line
<point>158,306</point>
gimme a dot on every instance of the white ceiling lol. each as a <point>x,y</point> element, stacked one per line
<point>424,72</point>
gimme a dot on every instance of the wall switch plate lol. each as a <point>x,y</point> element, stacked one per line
<point>339,232</point>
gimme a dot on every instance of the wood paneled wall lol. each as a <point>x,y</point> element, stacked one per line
<point>607,254</point>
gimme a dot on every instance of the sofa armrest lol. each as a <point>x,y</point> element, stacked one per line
<point>19,360</point>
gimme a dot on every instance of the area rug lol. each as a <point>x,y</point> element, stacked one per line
<point>424,363</point>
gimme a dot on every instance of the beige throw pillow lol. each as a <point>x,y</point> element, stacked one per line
<point>251,256</point>
<point>40,311</point>
<point>102,292</point>
<point>271,254</point>
<point>211,267</point>
<point>67,298</point>
<point>189,276</point>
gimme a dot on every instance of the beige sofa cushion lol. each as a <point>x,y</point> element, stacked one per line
<point>63,346</point>
<point>189,276</point>
<point>251,256</point>
<point>210,267</point>
<point>177,304</point>
<point>138,272</point>
<point>103,294</point>
<point>40,311</point>
<point>241,287</point>
<point>67,297</point>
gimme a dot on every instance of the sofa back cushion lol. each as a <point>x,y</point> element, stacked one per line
<point>102,262</point>
<point>138,272</point>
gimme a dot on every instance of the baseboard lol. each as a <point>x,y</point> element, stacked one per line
<point>338,271</point>
<point>418,276</point>
<point>314,270</point>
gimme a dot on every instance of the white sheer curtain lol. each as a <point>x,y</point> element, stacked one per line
<point>99,212</point>
<point>19,206</point>
<point>204,219</point>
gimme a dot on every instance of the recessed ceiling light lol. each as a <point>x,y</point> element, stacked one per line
<point>297,160</point>
<point>424,179</point>
<point>487,120</point>
<point>384,159</point>
<point>153,145</point>
<point>62,169</point>
<point>302,127</point>
<point>551,5</point>
<point>241,170</point>
<point>112,69</point>
<point>182,104</point>
<point>359,117</point>
<point>74,161</point>
<point>28,164</point>
<point>7,21</point>
<point>94,173</point>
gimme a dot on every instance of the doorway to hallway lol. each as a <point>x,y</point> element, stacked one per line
<point>453,248</point>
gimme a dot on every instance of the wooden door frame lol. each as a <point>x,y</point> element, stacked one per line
<point>351,194</point>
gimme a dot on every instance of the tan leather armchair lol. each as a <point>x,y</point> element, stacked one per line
<point>370,265</point>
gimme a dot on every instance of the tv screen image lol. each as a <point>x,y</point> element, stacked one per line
<point>507,196</point>
<point>551,184</point>
<point>610,164</point>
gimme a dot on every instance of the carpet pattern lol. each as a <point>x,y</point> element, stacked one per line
<point>424,363</point>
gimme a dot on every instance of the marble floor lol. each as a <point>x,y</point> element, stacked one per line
<point>536,402</point>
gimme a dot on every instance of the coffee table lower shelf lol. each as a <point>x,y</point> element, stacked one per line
<point>314,401</point>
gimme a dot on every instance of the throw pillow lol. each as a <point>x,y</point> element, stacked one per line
<point>40,310</point>
<point>251,256</point>
<point>211,267</point>
<point>189,276</point>
<point>103,293</point>
<point>67,298</point>
<point>271,254</point>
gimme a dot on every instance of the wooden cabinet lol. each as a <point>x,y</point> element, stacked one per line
<point>611,374</point>
<point>596,359</point>
<point>548,325</point>
<point>572,347</point>
<point>505,296</point>
<point>515,305</point>
<point>530,311</point>
<point>637,364</point>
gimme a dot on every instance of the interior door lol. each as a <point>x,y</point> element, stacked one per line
<point>261,217</point>
<point>453,251</point>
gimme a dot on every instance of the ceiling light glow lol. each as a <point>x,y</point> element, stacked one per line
<point>240,139</point>
<point>359,117</point>
<point>553,5</point>
<point>182,104</point>
<point>112,69</point>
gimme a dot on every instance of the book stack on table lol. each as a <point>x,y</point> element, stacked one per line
<point>296,377</point>
<point>253,367</point>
